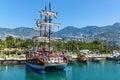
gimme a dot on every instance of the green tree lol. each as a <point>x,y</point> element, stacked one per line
<point>27,43</point>
<point>2,44</point>
<point>19,42</point>
<point>9,41</point>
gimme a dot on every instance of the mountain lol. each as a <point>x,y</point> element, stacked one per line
<point>3,31</point>
<point>109,31</point>
<point>67,31</point>
<point>20,32</point>
<point>113,29</point>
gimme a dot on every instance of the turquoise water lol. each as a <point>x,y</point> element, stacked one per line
<point>78,71</point>
<point>12,72</point>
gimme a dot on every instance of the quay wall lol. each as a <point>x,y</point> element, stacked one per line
<point>12,61</point>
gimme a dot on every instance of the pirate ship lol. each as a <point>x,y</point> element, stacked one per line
<point>42,58</point>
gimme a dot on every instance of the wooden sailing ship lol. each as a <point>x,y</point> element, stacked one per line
<point>82,58</point>
<point>42,58</point>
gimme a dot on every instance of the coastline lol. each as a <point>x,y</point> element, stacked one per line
<point>17,60</point>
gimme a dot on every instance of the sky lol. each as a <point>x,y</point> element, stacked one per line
<point>78,13</point>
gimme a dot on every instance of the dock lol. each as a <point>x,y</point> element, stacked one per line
<point>12,61</point>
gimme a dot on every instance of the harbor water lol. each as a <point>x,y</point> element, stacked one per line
<point>105,70</point>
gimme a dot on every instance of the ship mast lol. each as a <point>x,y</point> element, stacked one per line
<point>45,34</point>
<point>48,15</point>
<point>49,25</point>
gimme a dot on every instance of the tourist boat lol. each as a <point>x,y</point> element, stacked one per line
<point>70,59</point>
<point>110,58</point>
<point>94,59</point>
<point>114,57</point>
<point>82,58</point>
<point>41,58</point>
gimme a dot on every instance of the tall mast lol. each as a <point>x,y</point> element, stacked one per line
<point>45,34</point>
<point>47,22</point>
<point>49,25</point>
<point>40,26</point>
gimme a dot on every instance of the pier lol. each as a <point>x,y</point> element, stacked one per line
<point>13,61</point>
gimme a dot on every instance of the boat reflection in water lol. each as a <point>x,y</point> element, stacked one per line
<point>83,65</point>
<point>51,75</point>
